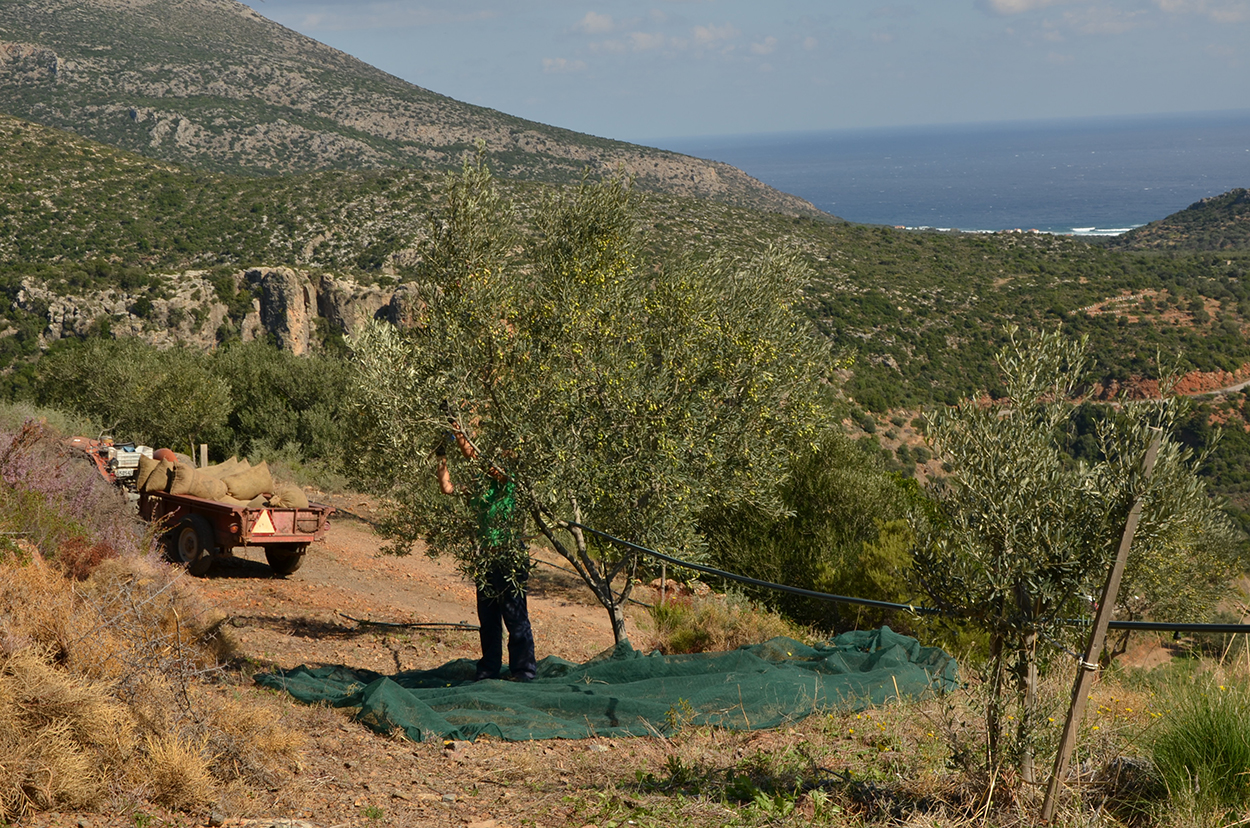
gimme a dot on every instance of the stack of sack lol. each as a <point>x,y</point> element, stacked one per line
<point>233,482</point>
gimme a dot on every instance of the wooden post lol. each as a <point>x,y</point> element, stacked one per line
<point>663,580</point>
<point>203,455</point>
<point>1089,664</point>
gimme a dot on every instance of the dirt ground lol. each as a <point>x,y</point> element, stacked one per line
<point>332,610</point>
<point>347,775</point>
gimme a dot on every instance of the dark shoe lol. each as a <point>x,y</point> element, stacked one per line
<point>523,677</point>
<point>486,677</point>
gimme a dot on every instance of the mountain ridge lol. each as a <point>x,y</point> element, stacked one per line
<point>214,85</point>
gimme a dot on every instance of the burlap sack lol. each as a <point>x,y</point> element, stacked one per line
<point>246,485</point>
<point>146,467</point>
<point>180,480</point>
<point>209,488</point>
<point>221,470</point>
<point>232,501</point>
<point>258,502</point>
<point>288,496</point>
<point>158,480</point>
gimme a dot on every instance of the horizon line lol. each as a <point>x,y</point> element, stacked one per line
<point>952,126</point>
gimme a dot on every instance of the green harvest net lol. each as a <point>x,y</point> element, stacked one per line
<point>629,693</point>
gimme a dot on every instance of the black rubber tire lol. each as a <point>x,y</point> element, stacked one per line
<point>192,543</point>
<point>285,558</point>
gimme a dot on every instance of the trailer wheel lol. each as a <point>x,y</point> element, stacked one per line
<point>285,558</point>
<point>191,543</point>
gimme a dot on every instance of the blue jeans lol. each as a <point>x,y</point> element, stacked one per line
<point>505,605</point>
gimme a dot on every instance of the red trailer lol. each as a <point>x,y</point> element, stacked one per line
<point>199,531</point>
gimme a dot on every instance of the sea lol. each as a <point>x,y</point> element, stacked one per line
<point>1091,176</point>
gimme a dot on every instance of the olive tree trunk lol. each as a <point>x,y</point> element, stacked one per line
<point>598,575</point>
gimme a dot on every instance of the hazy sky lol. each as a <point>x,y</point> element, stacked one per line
<point>641,71</point>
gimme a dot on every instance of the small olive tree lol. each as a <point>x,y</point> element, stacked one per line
<point>1187,552</point>
<point>1026,535</point>
<point>616,394</point>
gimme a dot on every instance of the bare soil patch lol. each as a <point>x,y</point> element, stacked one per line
<point>314,615</point>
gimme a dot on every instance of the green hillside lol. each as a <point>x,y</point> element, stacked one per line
<point>230,142</point>
<point>923,310</point>
<point>1218,223</point>
<point>213,85</point>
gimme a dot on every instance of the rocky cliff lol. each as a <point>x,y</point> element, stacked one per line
<point>294,308</point>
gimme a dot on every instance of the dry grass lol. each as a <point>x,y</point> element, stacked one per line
<point>58,733</point>
<point>713,623</point>
<point>105,690</point>
<point>176,768</point>
<point>109,663</point>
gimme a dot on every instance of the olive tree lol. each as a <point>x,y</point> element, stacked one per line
<point>616,393</point>
<point>1026,534</point>
<point>165,397</point>
<point>1187,552</point>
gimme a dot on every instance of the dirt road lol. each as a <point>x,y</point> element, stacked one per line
<point>306,618</point>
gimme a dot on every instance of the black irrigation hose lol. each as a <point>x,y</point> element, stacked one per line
<point>720,573</point>
<point>1168,626</point>
<point>424,625</point>
<point>1139,626</point>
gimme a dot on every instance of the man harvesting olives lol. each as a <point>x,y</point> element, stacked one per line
<point>500,585</point>
<point>604,390</point>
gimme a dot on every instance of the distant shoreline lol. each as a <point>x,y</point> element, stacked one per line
<point>1075,231</point>
<point>1083,178</point>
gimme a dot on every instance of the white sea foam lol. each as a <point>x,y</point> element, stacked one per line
<point>1101,231</point>
<point>1075,231</point>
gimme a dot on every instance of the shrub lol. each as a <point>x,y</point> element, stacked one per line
<point>59,504</point>
<point>238,399</point>
<point>291,464</point>
<point>282,402</point>
<point>14,414</point>
<point>160,397</point>
<point>713,623</point>
<point>845,533</point>
<point>79,557</point>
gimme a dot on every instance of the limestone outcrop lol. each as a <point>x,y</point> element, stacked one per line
<point>183,309</point>
<point>292,307</point>
<point>288,306</point>
<point>345,305</point>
